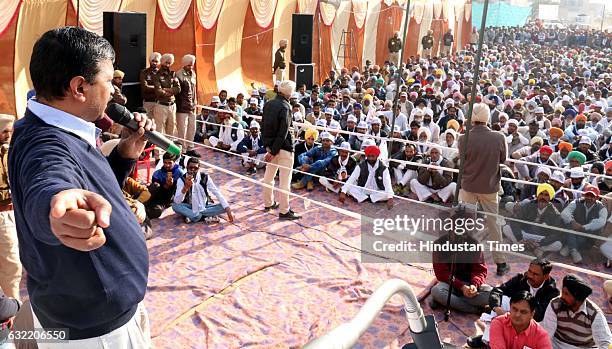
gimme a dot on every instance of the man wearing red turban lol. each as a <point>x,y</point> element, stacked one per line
<point>370,179</point>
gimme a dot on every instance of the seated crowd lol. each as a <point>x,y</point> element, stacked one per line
<point>554,107</point>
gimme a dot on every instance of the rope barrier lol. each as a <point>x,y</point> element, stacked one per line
<point>401,140</point>
<point>401,198</point>
<point>359,216</point>
<point>405,162</point>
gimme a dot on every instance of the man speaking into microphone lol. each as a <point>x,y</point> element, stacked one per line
<point>82,248</point>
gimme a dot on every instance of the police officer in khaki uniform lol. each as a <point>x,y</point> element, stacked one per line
<point>427,42</point>
<point>394,45</point>
<point>166,88</point>
<point>146,84</point>
<point>10,266</point>
<point>186,102</point>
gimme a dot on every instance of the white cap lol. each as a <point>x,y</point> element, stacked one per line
<point>375,121</point>
<point>362,124</point>
<point>329,111</point>
<point>295,95</point>
<point>367,142</point>
<point>326,135</point>
<point>396,128</point>
<point>334,125</point>
<point>566,98</point>
<point>216,99</point>
<point>253,101</point>
<point>543,169</point>
<point>558,176</point>
<point>321,123</point>
<point>352,118</point>
<point>345,146</point>
<point>577,173</point>
<point>254,124</point>
<point>297,116</point>
<point>539,110</point>
<point>585,140</point>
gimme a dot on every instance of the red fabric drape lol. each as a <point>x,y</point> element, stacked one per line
<point>466,32</point>
<point>322,50</point>
<point>412,39</point>
<point>179,42</point>
<point>389,22</point>
<point>439,27</point>
<point>70,15</point>
<point>205,62</point>
<point>257,51</point>
<point>7,68</point>
<point>358,35</point>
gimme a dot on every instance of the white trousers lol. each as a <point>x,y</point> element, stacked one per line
<point>361,194</point>
<point>257,160</point>
<point>213,141</point>
<point>423,192</point>
<point>329,185</point>
<point>606,249</point>
<point>507,230</point>
<point>404,178</point>
<point>135,334</point>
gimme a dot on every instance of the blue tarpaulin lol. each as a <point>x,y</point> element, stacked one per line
<point>500,14</point>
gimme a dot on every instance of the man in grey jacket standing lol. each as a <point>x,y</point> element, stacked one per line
<point>481,179</point>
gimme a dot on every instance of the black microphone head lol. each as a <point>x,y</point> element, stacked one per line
<point>118,113</point>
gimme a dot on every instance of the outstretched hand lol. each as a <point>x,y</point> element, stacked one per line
<point>77,217</point>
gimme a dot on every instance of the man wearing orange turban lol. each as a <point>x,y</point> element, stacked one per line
<point>370,179</point>
<point>555,133</point>
<point>563,150</point>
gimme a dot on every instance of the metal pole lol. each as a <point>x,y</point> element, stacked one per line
<point>398,79</point>
<point>475,80</point>
<point>603,15</point>
<point>78,13</point>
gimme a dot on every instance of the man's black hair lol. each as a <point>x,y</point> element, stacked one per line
<point>544,263</point>
<point>63,53</point>
<point>193,160</point>
<point>524,296</point>
<point>231,100</point>
<point>169,156</point>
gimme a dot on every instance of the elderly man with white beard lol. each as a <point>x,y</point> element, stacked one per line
<point>434,183</point>
<point>231,133</point>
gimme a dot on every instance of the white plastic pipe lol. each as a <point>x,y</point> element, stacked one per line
<point>346,335</point>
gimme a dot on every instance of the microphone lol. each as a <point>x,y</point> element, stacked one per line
<point>122,116</point>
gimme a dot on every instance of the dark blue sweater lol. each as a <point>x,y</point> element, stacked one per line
<point>90,293</point>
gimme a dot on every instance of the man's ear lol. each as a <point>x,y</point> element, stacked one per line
<point>78,86</point>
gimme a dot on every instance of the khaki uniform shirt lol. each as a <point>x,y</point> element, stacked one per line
<point>146,84</point>
<point>163,80</point>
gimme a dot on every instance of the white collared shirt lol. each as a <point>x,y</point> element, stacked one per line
<point>67,122</point>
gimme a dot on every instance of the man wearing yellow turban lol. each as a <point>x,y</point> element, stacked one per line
<point>541,210</point>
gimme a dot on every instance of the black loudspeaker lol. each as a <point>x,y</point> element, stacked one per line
<point>301,39</point>
<point>302,74</point>
<point>127,33</point>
